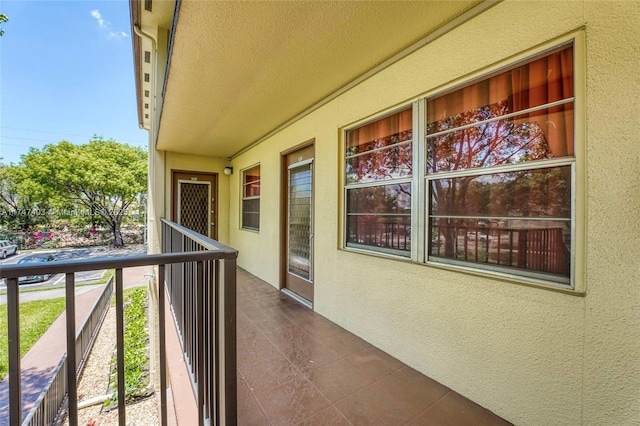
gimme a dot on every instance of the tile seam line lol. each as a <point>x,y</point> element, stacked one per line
<point>314,414</point>
<point>255,398</point>
<point>367,386</point>
<point>312,384</point>
<point>430,406</point>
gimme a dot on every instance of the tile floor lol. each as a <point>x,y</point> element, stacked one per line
<point>296,367</point>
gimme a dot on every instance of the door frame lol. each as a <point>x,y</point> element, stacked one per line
<point>213,205</point>
<point>284,217</point>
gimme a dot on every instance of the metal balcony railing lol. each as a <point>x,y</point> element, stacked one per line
<point>50,406</point>
<point>200,278</point>
<point>538,250</point>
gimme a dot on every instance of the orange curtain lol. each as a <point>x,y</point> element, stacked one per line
<point>387,126</point>
<point>541,81</point>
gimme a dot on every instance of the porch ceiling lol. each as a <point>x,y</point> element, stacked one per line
<point>241,69</point>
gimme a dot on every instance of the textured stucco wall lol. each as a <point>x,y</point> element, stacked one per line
<point>612,316</point>
<point>531,355</point>
<point>155,180</point>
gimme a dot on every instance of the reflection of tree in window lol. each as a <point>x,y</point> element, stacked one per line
<point>382,159</point>
<point>379,168</point>
<point>519,117</point>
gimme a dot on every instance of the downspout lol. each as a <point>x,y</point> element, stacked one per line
<point>154,72</point>
<point>152,128</point>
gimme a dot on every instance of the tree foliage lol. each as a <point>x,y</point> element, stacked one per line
<point>103,176</point>
<point>22,203</point>
<point>3,19</point>
<point>541,192</point>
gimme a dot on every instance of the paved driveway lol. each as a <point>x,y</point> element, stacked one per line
<point>69,254</point>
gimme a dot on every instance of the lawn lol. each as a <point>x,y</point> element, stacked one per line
<point>35,319</point>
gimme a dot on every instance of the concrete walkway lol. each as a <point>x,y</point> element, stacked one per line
<point>54,293</point>
<point>42,359</point>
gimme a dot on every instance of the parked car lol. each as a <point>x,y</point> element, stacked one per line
<point>7,248</point>
<point>36,258</point>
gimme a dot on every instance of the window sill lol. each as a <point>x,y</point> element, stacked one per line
<point>378,254</point>
<point>506,278</point>
<point>253,230</point>
<point>492,275</point>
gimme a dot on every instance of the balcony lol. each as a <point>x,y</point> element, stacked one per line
<point>251,354</point>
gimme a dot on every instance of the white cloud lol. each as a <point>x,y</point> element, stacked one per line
<point>106,26</point>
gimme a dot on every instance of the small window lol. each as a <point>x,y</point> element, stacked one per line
<point>378,174</point>
<point>251,198</point>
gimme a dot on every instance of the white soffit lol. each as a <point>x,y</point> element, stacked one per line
<point>241,69</point>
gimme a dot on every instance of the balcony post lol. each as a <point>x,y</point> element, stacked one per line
<point>230,350</point>
<point>199,335</point>
<point>163,346</point>
<point>72,385</point>
<point>15,389</point>
<point>122,421</point>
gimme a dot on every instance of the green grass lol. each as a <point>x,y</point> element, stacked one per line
<point>35,318</point>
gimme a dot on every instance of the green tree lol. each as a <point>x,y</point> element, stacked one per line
<point>3,19</point>
<point>103,176</point>
<point>22,204</point>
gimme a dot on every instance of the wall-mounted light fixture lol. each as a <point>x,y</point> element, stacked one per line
<point>228,170</point>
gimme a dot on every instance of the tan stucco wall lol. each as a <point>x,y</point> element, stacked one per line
<point>155,180</point>
<point>531,355</point>
<point>200,163</point>
<point>612,316</point>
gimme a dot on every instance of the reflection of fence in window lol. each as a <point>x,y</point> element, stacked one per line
<point>394,233</point>
<point>540,250</point>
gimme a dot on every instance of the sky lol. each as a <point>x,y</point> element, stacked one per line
<point>66,73</point>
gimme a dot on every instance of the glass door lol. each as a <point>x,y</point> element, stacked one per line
<point>298,226</point>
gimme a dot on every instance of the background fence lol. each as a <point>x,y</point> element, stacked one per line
<point>50,407</point>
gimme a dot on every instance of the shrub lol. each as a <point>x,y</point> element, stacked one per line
<point>136,358</point>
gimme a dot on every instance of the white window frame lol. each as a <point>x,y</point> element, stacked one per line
<point>396,181</point>
<point>243,198</point>
<point>420,235</point>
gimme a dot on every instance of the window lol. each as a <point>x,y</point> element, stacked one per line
<point>496,173</point>
<point>500,155</point>
<point>379,171</point>
<point>251,198</point>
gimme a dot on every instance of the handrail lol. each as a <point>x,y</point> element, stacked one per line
<point>71,266</point>
<point>203,302</point>
<point>203,240</point>
<point>200,286</point>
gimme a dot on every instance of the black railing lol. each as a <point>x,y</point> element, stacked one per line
<point>204,310</point>
<point>201,276</point>
<point>50,405</point>
<point>379,233</point>
<point>539,250</point>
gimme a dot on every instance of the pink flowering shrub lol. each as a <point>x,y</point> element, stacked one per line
<point>63,235</point>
